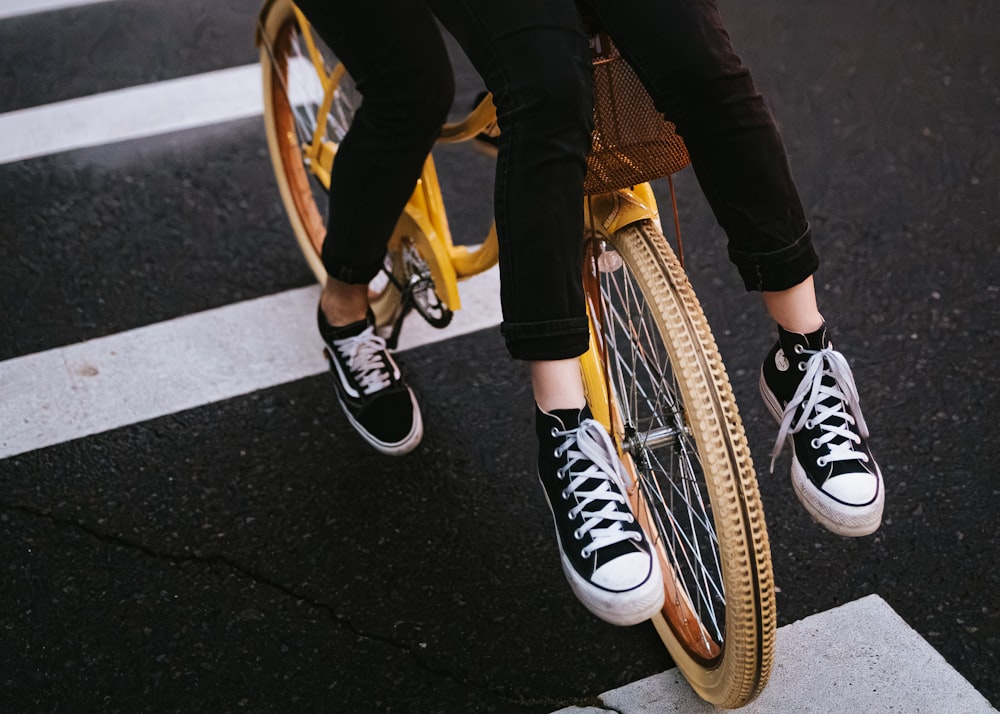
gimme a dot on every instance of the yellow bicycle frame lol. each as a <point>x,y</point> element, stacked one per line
<point>424,221</point>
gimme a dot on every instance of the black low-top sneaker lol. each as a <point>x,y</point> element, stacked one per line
<point>370,388</point>
<point>605,554</point>
<point>809,388</point>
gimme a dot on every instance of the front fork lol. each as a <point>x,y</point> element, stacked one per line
<point>604,215</point>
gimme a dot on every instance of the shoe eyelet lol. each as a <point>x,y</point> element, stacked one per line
<point>810,425</point>
<point>814,443</point>
<point>578,535</point>
<point>584,553</point>
<point>631,518</point>
<point>552,432</point>
<point>821,461</point>
<point>565,496</point>
<point>798,349</point>
<point>802,366</point>
<point>555,452</point>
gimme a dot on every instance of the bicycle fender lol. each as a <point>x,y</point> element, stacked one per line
<point>607,213</point>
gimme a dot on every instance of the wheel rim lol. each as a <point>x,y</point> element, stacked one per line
<point>650,423</point>
<point>296,96</point>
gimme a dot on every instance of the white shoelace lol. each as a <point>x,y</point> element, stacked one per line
<point>363,354</point>
<point>592,443</point>
<point>833,419</point>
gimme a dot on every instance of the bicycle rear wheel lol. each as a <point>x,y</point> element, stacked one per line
<point>294,121</point>
<point>672,413</point>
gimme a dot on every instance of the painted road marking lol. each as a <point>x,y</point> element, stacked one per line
<point>133,113</point>
<point>55,396</point>
<point>14,8</point>
<point>146,110</point>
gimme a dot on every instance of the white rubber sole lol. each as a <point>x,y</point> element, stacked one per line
<point>629,607</point>
<point>833,515</point>
<point>405,445</point>
<point>836,517</point>
<point>623,608</point>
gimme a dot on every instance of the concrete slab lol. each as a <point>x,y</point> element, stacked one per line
<point>860,657</point>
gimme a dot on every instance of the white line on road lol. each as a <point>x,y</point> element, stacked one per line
<point>14,8</point>
<point>70,392</point>
<point>133,113</point>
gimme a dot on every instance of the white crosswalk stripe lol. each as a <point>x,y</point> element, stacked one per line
<point>14,8</point>
<point>132,113</point>
<point>66,393</point>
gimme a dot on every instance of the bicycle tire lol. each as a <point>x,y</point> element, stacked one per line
<point>672,412</point>
<point>301,192</point>
<point>292,91</point>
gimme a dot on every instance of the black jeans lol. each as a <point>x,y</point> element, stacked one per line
<point>535,58</point>
<point>394,51</point>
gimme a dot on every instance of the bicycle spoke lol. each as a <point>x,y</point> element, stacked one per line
<point>669,469</point>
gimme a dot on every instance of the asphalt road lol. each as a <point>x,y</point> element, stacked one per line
<point>253,555</point>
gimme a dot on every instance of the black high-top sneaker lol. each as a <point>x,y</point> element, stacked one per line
<point>605,554</point>
<point>370,388</point>
<point>809,388</point>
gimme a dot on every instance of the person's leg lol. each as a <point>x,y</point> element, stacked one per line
<point>397,58</point>
<point>795,309</point>
<point>534,58</point>
<point>557,384</point>
<point>683,55</point>
<point>682,52</point>
<point>395,54</point>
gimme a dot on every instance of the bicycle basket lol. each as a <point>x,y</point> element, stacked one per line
<point>632,142</point>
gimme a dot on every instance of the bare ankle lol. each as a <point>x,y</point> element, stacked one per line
<point>557,384</point>
<point>343,303</point>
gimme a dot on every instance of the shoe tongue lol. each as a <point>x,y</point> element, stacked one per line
<point>566,419</point>
<point>352,330</point>
<point>330,333</point>
<point>814,341</point>
<point>570,418</point>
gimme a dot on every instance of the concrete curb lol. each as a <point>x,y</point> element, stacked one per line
<point>859,657</point>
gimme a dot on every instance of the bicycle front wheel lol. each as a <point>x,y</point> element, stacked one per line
<point>672,413</point>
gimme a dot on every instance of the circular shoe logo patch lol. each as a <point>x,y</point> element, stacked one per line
<point>780,361</point>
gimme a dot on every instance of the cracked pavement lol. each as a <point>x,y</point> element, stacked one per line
<point>254,556</point>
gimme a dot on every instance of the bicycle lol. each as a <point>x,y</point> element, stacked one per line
<point>653,373</point>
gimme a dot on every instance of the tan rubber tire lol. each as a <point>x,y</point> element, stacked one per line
<point>295,184</point>
<point>732,670</point>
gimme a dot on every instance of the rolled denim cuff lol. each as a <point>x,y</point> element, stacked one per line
<point>353,275</point>
<point>549,340</point>
<point>779,269</point>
